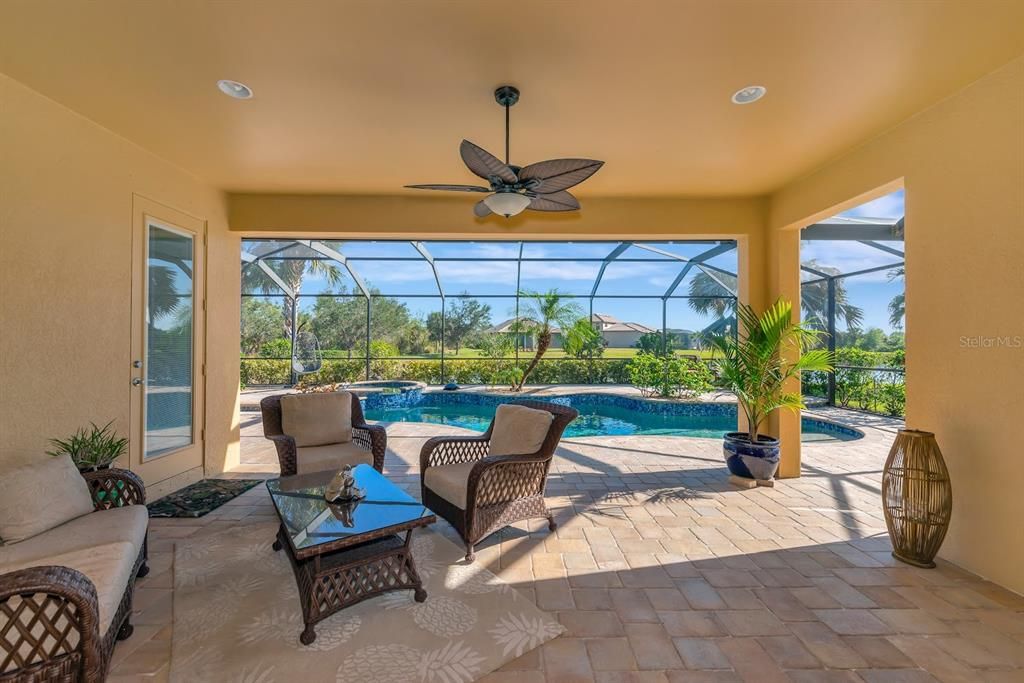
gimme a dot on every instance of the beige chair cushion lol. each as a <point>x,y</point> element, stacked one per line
<point>450,481</point>
<point>37,497</point>
<point>109,567</point>
<point>330,457</point>
<point>317,419</point>
<point>117,525</point>
<point>519,430</point>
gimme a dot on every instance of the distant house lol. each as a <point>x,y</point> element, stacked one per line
<point>506,327</point>
<point>616,334</point>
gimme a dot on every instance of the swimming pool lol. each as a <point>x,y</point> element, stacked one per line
<point>600,415</point>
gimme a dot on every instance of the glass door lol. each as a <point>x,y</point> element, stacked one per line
<point>170,321</point>
<point>167,368</point>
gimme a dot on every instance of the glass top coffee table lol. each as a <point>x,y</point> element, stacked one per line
<point>342,553</point>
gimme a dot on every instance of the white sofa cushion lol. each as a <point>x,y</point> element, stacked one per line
<point>317,419</point>
<point>108,566</point>
<point>450,481</point>
<point>118,525</point>
<point>330,457</point>
<point>37,497</point>
<point>519,430</point>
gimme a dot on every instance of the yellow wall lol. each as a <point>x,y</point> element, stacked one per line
<point>962,165</point>
<point>66,188</point>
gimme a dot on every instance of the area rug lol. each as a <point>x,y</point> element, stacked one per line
<point>200,498</point>
<point>237,618</point>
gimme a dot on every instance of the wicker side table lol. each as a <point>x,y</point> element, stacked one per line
<point>329,582</point>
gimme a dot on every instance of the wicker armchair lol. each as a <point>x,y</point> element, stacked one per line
<point>372,438</point>
<point>50,626</point>
<point>500,489</point>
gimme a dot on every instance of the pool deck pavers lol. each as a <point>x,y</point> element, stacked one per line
<point>664,573</point>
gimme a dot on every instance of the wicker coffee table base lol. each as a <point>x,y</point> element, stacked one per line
<point>332,581</point>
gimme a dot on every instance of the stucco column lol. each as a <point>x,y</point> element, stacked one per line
<point>784,282</point>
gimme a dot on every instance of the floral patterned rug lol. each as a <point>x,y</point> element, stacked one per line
<point>237,618</point>
<point>200,498</point>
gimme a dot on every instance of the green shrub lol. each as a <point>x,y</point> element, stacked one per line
<point>260,371</point>
<point>646,373</point>
<point>277,348</point>
<point>689,377</point>
<point>511,376</point>
<point>382,349</point>
<point>893,398</point>
<point>671,376</point>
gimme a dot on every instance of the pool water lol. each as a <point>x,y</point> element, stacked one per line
<point>598,417</point>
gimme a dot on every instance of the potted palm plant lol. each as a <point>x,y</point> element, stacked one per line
<point>91,448</point>
<point>756,365</point>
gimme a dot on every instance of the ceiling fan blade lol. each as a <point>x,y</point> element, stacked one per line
<point>450,188</point>
<point>559,174</point>
<point>556,201</point>
<point>481,210</point>
<point>485,164</point>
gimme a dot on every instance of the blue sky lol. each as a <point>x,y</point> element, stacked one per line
<point>871,292</point>
<point>497,279</point>
<point>474,274</point>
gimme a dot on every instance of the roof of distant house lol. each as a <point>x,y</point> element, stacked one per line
<point>628,327</point>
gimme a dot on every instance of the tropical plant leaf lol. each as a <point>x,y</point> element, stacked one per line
<point>769,352</point>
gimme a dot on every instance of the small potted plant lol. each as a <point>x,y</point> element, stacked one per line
<point>91,448</point>
<point>755,366</point>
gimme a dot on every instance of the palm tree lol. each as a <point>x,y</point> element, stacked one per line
<point>712,298</point>
<point>898,304</point>
<point>538,314</point>
<point>292,272</point>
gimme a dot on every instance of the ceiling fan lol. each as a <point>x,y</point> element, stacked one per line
<point>539,187</point>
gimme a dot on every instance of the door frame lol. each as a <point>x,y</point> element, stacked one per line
<point>181,466</point>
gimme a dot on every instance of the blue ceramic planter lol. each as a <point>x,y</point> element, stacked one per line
<point>750,460</point>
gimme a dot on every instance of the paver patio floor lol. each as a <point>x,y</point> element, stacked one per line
<point>661,571</point>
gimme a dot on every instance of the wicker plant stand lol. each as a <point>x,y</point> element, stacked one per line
<point>342,559</point>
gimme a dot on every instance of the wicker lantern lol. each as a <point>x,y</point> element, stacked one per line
<point>917,497</point>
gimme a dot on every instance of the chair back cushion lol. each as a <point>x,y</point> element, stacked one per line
<point>519,430</point>
<point>331,457</point>
<point>38,497</point>
<point>317,419</point>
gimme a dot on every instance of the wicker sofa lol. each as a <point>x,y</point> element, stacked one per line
<point>303,453</point>
<point>481,484</point>
<point>66,592</point>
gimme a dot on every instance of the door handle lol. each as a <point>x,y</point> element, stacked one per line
<point>137,382</point>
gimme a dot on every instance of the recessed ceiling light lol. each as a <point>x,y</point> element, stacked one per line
<point>752,93</point>
<point>240,91</point>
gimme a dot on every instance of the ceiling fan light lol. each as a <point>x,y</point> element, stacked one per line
<point>507,204</point>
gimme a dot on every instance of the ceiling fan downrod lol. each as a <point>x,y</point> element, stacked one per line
<point>506,96</point>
